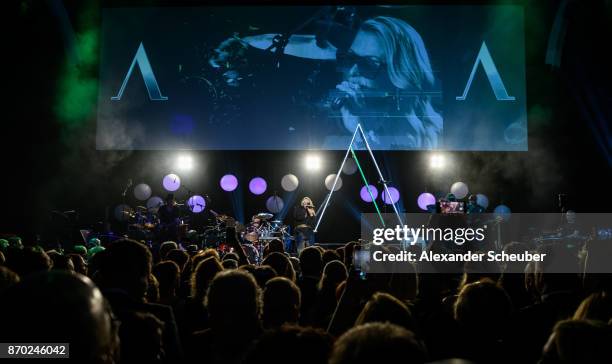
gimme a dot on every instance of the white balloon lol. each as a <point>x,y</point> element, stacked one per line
<point>459,189</point>
<point>289,182</point>
<point>482,200</point>
<point>142,191</point>
<point>275,204</point>
<point>329,182</point>
<point>349,166</point>
<point>154,203</point>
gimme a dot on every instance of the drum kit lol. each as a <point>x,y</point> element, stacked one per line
<point>261,230</point>
<point>143,224</point>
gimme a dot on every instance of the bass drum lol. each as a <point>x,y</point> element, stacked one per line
<point>251,235</point>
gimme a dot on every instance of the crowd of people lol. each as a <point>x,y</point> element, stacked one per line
<point>131,303</point>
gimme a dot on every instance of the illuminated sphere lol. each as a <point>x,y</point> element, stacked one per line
<point>365,196</point>
<point>459,189</point>
<point>171,182</point>
<point>229,182</point>
<point>258,186</point>
<point>395,195</point>
<point>329,182</point>
<point>289,182</point>
<point>196,204</point>
<point>426,199</point>
<point>142,191</point>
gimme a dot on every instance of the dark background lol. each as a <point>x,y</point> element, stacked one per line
<point>49,161</point>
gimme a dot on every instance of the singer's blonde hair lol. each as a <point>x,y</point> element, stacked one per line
<point>408,66</point>
<point>306,199</point>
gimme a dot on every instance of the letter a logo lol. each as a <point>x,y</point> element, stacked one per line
<point>147,74</point>
<point>495,80</point>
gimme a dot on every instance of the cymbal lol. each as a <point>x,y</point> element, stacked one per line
<point>264,216</point>
<point>223,217</point>
<point>299,45</point>
<point>276,222</point>
<point>141,208</point>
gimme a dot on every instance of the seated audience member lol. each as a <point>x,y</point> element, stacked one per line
<point>295,263</point>
<point>123,274</point>
<point>79,263</point>
<point>169,277</point>
<point>233,302</point>
<point>334,273</point>
<point>483,311</point>
<point>165,247</point>
<point>180,257</point>
<point>28,260</point>
<point>8,278</point>
<point>292,344</point>
<point>275,245</point>
<point>377,343</point>
<point>558,298</point>
<point>578,342</point>
<point>60,261</point>
<point>141,338</point>
<point>512,279</point>
<point>152,294</point>
<point>281,264</point>
<point>194,316</point>
<point>281,303</point>
<point>383,307</point>
<point>597,306</point>
<point>311,268</point>
<point>263,274</point>
<point>229,264</point>
<point>328,256</point>
<point>60,307</point>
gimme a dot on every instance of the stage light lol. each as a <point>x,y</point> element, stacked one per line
<point>329,182</point>
<point>312,162</point>
<point>290,182</point>
<point>154,203</point>
<point>184,162</point>
<point>459,189</point>
<point>258,186</point>
<point>395,195</point>
<point>229,182</point>
<point>196,204</point>
<point>171,182</point>
<point>142,191</point>
<point>275,204</point>
<point>482,200</point>
<point>426,199</point>
<point>437,161</point>
<point>365,195</point>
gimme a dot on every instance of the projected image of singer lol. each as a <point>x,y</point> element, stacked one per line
<point>387,86</point>
<point>305,219</point>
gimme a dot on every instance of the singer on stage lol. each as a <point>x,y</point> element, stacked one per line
<point>305,219</point>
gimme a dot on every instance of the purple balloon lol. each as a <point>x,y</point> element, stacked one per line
<point>258,186</point>
<point>229,182</point>
<point>395,196</point>
<point>365,196</point>
<point>425,199</point>
<point>171,182</point>
<point>196,204</point>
